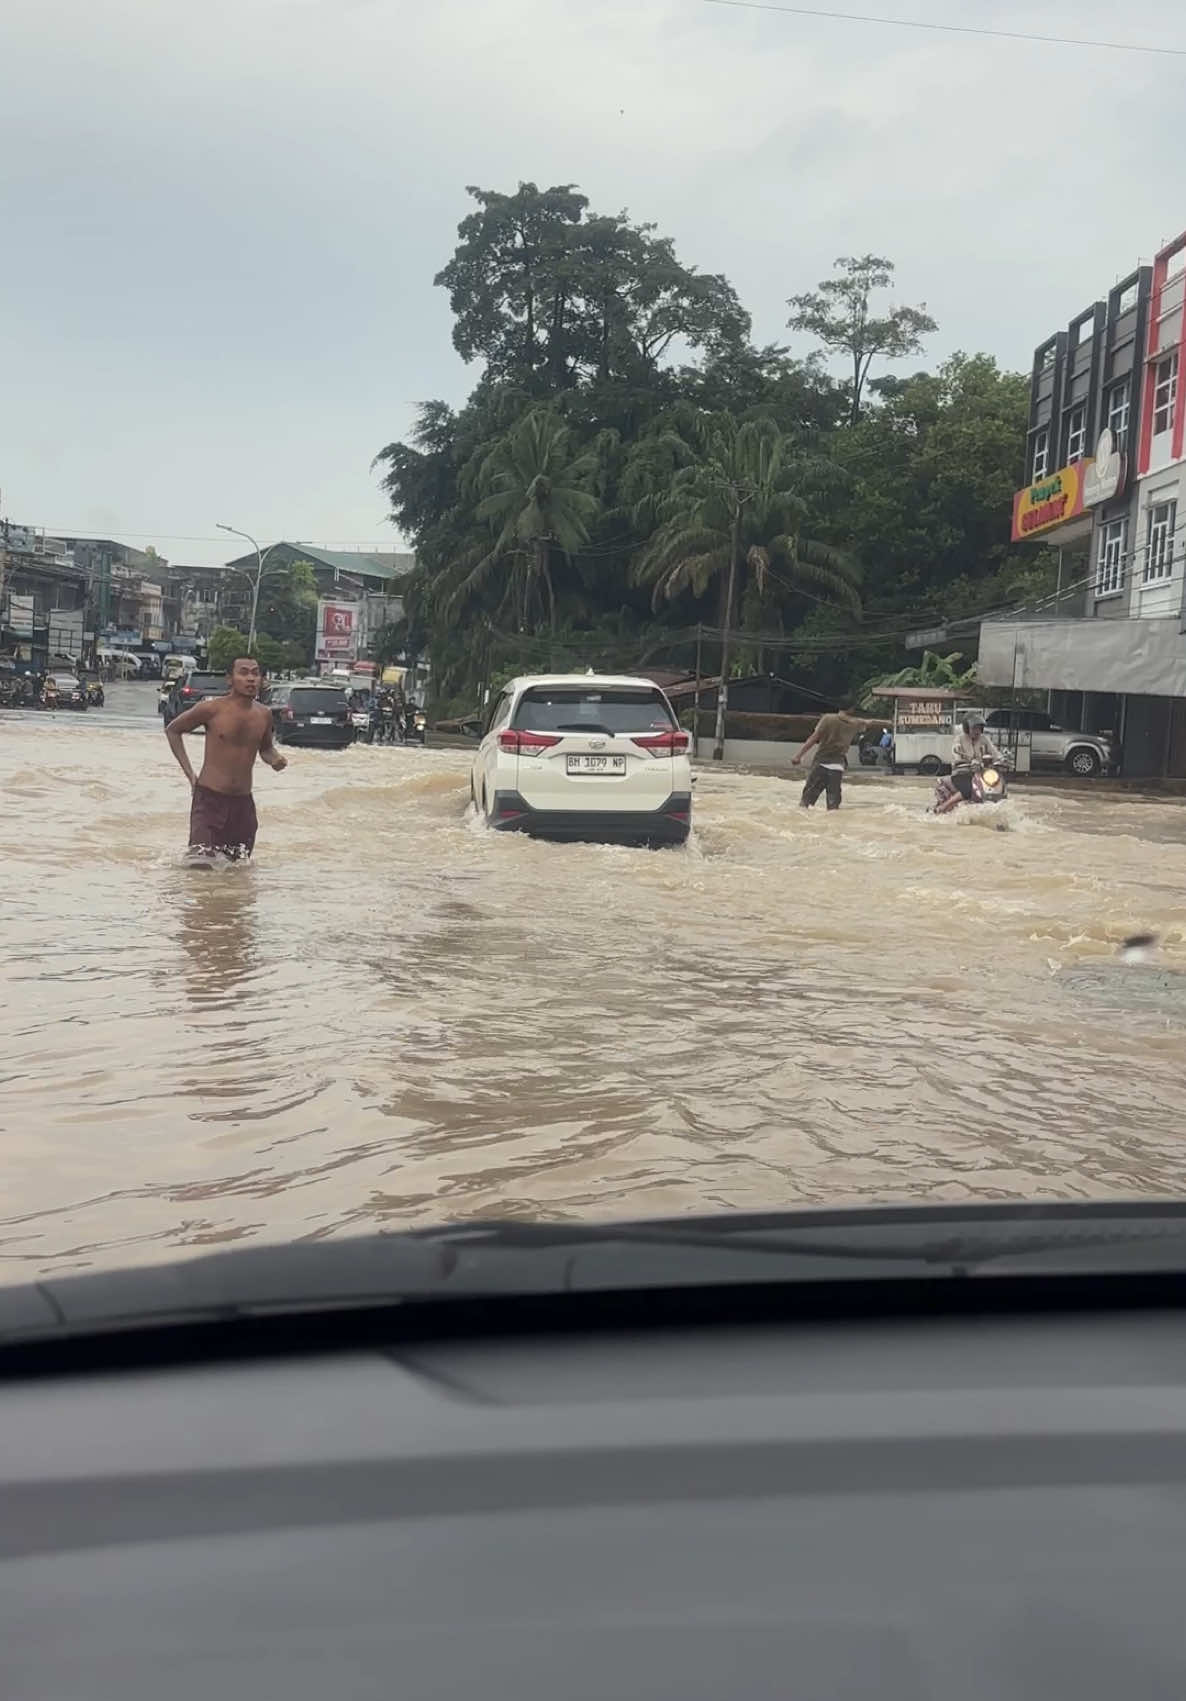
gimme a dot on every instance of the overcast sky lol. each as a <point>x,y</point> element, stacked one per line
<point>220,222</point>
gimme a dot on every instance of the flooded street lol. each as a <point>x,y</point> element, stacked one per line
<point>394,1018</point>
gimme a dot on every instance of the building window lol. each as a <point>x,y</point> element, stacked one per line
<point>1041,461</point>
<point>1159,552</point>
<point>1109,577</point>
<point>1076,434</point>
<point>1127,300</point>
<point>1118,414</point>
<point>1165,393</point>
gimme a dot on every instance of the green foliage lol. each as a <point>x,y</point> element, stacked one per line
<point>226,642</point>
<point>273,655</point>
<point>735,500</point>
<point>939,673</point>
<point>287,610</point>
<point>549,298</point>
<point>838,313</point>
<point>626,451</point>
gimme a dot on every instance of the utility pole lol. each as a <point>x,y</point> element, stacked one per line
<point>3,552</point>
<point>696,697</point>
<point>718,748</point>
<point>260,557</point>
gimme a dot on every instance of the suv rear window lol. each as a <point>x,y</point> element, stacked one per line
<point>206,682</point>
<point>316,700</point>
<point>609,709</point>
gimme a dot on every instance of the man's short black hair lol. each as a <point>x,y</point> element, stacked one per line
<point>235,660</point>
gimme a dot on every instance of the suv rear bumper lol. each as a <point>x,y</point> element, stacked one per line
<point>668,825</point>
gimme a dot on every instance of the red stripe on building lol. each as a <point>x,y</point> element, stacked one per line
<point>1149,379</point>
<point>1180,406</point>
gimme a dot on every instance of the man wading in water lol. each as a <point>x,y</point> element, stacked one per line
<point>238,729</point>
<point>832,736</point>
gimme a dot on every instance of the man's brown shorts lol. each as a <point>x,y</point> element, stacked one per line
<point>219,821</point>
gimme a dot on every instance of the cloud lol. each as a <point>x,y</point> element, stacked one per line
<point>222,222</point>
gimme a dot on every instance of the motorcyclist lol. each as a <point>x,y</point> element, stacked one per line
<point>970,751</point>
<point>375,728</point>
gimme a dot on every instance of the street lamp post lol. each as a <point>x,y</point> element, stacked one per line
<point>260,557</point>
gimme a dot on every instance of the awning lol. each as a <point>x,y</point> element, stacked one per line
<point>1145,658</point>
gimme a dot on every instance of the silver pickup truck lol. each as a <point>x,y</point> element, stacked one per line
<point>1052,747</point>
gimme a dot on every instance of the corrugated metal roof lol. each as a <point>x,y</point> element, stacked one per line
<point>371,564</point>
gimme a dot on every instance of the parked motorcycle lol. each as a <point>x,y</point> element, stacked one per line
<point>989,785</point>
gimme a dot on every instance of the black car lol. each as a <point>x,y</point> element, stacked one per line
<point>312,714</point>
<point>190,690</point>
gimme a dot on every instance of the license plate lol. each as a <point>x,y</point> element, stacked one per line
<point>596,764</point>
<point>321,720</point>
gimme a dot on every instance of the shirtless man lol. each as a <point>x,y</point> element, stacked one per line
<point>238,729</point>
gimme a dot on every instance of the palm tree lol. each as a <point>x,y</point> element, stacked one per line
<point>535,494</point>
<point>734,505</point>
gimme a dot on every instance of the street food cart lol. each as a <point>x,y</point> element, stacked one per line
<point>925,720</point>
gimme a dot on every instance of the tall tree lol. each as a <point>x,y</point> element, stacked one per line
<point>931,474</point>
<point>550,299</point>
<point>288,605</point>
<point>735,508</point>
<point>535,492</point>
<point>839,314</point>
<point>508,283</point>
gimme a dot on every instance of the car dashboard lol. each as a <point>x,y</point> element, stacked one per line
<point>969,1508</point>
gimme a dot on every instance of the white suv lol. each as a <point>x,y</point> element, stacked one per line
<point>585,756</point>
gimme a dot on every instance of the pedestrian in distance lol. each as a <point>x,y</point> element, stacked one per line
<point>238,729</point>
<point>830,740</point>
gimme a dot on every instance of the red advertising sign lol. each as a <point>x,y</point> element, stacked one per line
<point>337,631</point>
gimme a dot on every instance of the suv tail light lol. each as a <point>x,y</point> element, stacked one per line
<point>188,691</point>
<point>289,715</point>
<point>520,743</point>
<point>670,743</point>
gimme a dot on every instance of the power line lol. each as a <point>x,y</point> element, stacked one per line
<point>87,533</point>
<point>948,29</point>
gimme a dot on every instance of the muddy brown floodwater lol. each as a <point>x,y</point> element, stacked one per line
<point>394,1018</point>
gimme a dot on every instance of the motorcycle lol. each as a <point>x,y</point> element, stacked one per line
<point>415,727</point>
<point>989,785</point>
<point>94,693</point>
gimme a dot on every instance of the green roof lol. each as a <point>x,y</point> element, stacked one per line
<point>387,565</point>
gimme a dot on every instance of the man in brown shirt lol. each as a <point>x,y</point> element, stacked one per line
<point>222,818</point>
<point>832,736</point>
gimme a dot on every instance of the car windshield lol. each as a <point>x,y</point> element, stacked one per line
<point>628,440</point>
<point>610,709</point>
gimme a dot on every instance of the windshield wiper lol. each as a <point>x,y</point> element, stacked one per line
<point>1072,1238</point>
<point>492,1262</point>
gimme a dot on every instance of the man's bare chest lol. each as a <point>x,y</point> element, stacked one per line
<point>237,731</point>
